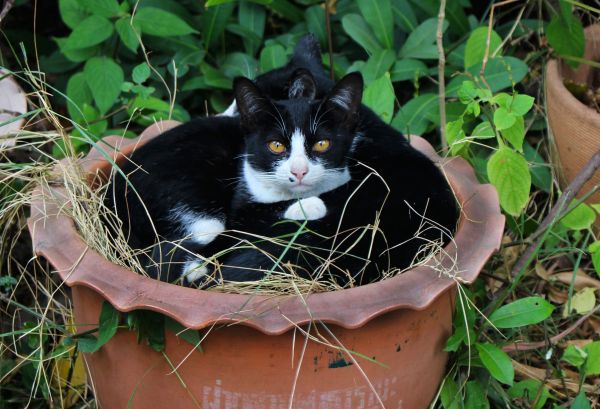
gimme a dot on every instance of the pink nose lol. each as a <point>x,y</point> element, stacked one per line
<point>299,173</point>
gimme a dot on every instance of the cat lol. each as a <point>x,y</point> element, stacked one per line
<point>297,158</point>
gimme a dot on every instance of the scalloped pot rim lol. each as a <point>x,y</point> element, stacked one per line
<point>55,237</point>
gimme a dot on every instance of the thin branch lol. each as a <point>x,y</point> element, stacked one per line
<point>441,72</point>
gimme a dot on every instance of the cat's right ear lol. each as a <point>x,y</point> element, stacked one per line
<point>345,97</point>
<point>251,102</point>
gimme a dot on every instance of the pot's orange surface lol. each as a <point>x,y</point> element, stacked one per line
<point>575,127</point>
<point>379,345</point>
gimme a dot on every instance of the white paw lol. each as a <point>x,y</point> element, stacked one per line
<point>311,208</point>
<point>193,270</point>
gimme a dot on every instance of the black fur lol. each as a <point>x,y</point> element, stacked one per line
<point>198,165</point>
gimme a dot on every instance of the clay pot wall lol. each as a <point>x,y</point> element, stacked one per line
<point>255,354</point>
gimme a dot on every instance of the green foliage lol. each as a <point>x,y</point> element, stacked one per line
<point>497,362</point>
<point>565,33</point>
<point>526,311</point>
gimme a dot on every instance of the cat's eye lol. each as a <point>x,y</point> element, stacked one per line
<point>276,147</point>
<point>322,146</point>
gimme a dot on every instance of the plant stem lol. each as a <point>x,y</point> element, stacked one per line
<point>441,72</point>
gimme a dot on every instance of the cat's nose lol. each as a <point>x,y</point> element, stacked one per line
<point>299,173</point>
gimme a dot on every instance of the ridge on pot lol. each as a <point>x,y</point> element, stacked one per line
<point>574,127</point>
<point>402,322</point>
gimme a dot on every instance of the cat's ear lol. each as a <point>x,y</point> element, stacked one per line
<point>345,97</point>
<point>251,103</point>
<point>302,85</point>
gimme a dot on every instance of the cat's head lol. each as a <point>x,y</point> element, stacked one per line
<point>298,147</point>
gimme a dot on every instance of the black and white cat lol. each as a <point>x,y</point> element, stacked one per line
<point>329,162</point>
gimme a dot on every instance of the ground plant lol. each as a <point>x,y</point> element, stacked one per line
<point>465,74</point>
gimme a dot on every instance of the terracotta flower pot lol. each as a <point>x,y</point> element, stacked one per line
<point>254,355</point>
<point>575,127</point>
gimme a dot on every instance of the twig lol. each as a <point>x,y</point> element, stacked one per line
<point>441,73</point>
<point>553,340</point>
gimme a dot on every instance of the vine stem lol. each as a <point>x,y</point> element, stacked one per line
<point>441,72</point>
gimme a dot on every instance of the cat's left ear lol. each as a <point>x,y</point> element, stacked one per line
<point>302,85</point>
<point>345,97</point>
<point>251,103</point>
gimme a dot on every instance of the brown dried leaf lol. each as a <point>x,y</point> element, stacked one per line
<point>582,280</point>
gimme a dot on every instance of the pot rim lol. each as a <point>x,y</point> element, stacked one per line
<point>54,236</point>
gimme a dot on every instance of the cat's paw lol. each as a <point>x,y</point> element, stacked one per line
<point>311,208</point>
<point>193,270</point>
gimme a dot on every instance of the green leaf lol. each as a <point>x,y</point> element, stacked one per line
<point>581,402</point>
<point>378,14</point>
<point>529,391</point>
<point>580,218</point>
<point>240,64</point>
<point>140,73</point>
<point>215,78</point>
<point>450,395</point>
<point>526,311</point>
<point>408,69</point>
<point>379,96</point>
<point>104,77</point>
<point>541,176</point>
<point>565,34</point>
<point>91,31</point>
<point>315,18</point>
<point>252,17</point>
<point>287,10</point>
<point>515,134</point>
<point>500,73</point>
<point>509,173</point>
<point>411,118</point>
<point>104,8</point>
<point>593,359</point>
<point>574,356</point>
<point>521,104</point>
<point>72,12</point>
<point>189,335</point>
<point>476,396</point>
<point>497,362</point>
<point>214,21</point>
<point>503,119</point>
<point>477,44</point>
<point>377,65</point>
<point>404,16</point>
<point>160,23</point>
<point>272,57</point>
<point>108,324</point>
<point>128,33</point>
<point>420,43</point>
<point>483,131</point>
<point>78,94</point>
<point>454,135</point>
<point>584,301</point>
<point>356,27</point>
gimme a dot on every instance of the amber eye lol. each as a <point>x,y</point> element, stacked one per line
<point>276,147</point>
<point>322,146</point>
